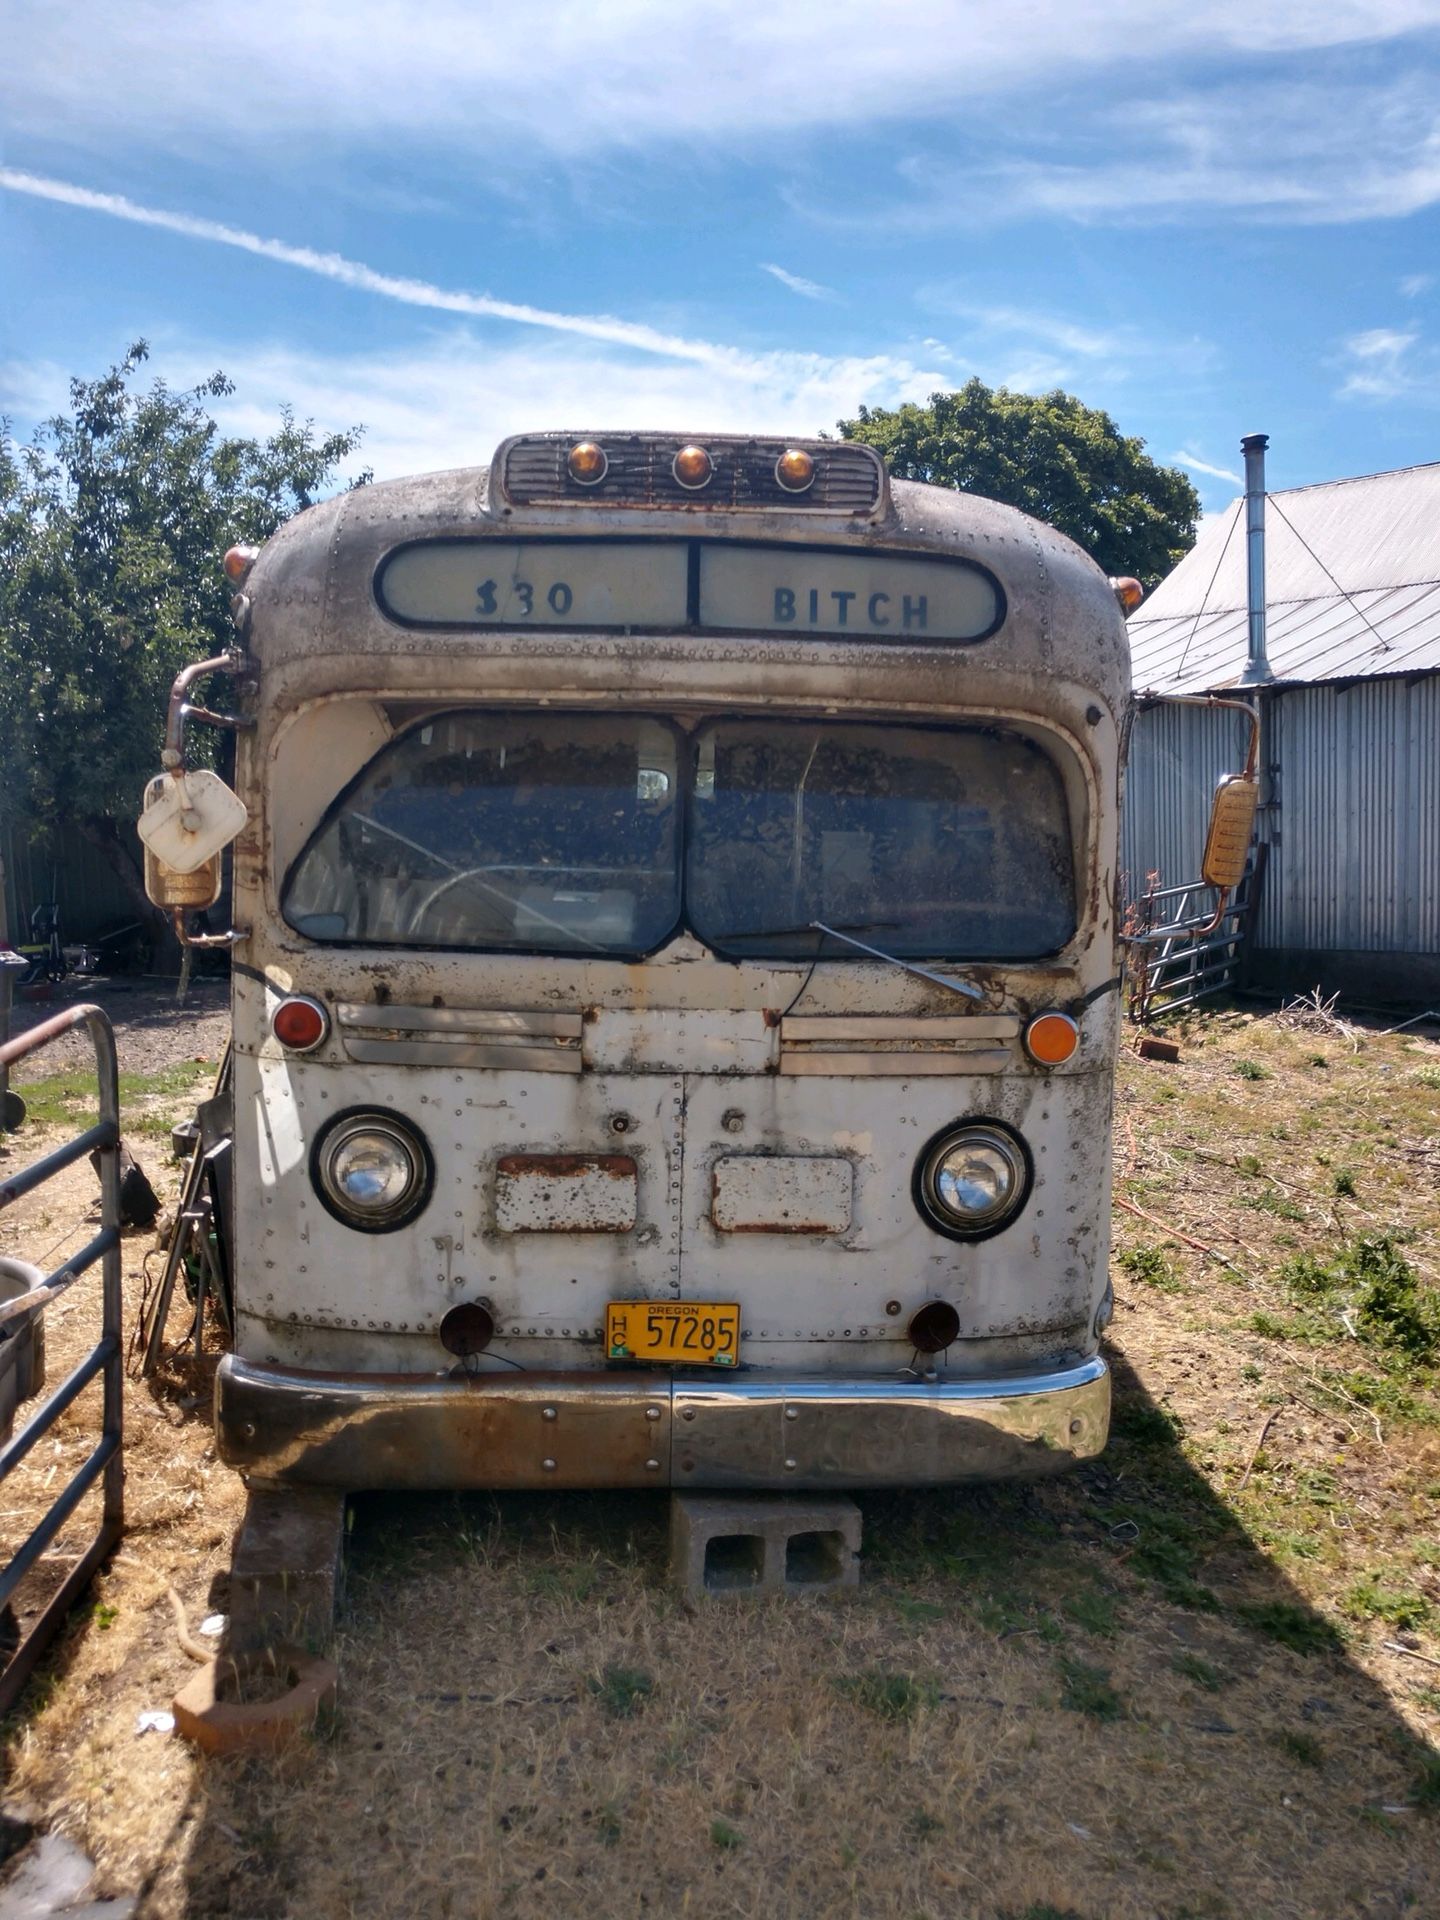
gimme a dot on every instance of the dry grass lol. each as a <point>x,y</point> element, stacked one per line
<point>1160,1687</point>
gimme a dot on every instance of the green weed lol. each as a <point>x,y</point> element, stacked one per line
<point>725,1837</point>
<point>1094,1611</point>
<point>893,1696</point>
<point>1369,1599</point>
<point>1344,1184</point>
<point>1425,1787</point>
<point>1251,1070</point>
<point>1200,1672</point>
<point>1086,1689</point>
<point>622,1691</point>
<point>1149,1266</point>
<point>1293,1626</point>
<point>1303,1747</point>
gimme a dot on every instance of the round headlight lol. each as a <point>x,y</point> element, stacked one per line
<point>372,1170</point>
<point>972,1180</point>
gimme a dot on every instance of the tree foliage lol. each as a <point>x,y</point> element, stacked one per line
<point>113,524</point>
<point>1051,456</point>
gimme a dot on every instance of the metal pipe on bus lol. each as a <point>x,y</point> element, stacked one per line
<point>1257,666</point>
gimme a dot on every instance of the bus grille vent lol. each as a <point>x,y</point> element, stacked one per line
<point>848,479</point>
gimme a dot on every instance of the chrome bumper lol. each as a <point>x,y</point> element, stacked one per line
<point>632,1429</point>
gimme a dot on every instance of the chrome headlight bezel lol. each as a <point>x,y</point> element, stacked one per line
<point>1011,1152</point>
<point>343,1131</point>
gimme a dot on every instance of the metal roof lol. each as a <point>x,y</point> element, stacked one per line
<point>1379,536</point>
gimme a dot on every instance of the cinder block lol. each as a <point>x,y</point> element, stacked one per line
<point>285,1578</point>
<point>762,1544</point>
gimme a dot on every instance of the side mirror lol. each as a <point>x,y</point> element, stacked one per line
<point>187,821</point>
<point>1232,824</point>
<point>167,887</point>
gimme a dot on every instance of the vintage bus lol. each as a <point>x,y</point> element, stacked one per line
<point>675,977</point>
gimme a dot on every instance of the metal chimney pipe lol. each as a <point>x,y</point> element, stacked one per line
<point>1257,666</point>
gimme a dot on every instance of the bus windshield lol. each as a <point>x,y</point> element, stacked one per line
<point>585,833</point>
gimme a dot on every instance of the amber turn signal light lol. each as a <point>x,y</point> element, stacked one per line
<point>795,470</point>
<point>299,1024</point>
<point>1051,1038</point>
<point>1128,592</point>
<point>587,463</point>
<point>238,562</point>
<point>693,467</point>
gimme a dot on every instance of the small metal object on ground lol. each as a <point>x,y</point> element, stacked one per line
<point>241,1725</point>
<point>759,1544</point>
<point>287,1573</point>
<point>1149,1048</point>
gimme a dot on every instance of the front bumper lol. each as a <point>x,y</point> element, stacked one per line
<point>640,1429</point>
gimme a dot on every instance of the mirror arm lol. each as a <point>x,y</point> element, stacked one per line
<point>231,938</point>
<point>233,661</point>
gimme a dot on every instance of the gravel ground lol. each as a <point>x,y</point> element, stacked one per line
<point>151,1032</point>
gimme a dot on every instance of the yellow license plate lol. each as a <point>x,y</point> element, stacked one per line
<point>685,1333</point>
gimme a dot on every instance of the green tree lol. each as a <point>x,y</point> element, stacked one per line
<point>113,524</point>
<point>1051,456</point>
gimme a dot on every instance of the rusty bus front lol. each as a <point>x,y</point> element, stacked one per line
<point>675,1015</point>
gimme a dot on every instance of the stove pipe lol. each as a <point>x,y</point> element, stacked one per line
<point>1257,667</point>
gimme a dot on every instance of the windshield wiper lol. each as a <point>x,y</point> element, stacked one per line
<point>806,926</point>
<point>967,987</point>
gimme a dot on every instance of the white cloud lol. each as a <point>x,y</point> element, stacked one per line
<point>353,273</point>
<point>1194,464</point>
<point>1414,284</point>
<point>1300,150</point>
<point>807,289</point>
<point>579,77</point>
<point>1384,363</point>
<point>449,400</point>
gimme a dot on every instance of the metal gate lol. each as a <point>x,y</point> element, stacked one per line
<point>105,1360</point>
<point>1183,951</point>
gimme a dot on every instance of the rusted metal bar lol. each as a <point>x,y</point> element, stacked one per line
<point>232,661</point>
<point>105,1361</point>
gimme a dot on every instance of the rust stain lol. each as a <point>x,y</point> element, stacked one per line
<point>566,1166</point>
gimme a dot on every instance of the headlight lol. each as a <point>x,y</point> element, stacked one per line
<point>372,1170</point>
<point>972,1180</point>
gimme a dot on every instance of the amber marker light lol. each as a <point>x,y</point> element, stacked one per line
<point>238,562</point>
<point>1128,592</point>
<point>795,469</point>
<point>1051,1038</point>
<point>300,1024</point>
<point>586,463</point>
<point>693,468</point>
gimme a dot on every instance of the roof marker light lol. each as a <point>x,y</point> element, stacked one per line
<point>693,468</point>
<point>587,463</point>
<point>1127,591</point>
<point>795,470</point>
<point>238,562</point>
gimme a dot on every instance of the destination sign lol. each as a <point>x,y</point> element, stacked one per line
<point>571,584</point>
<point>881,596</point>
<point>537,583</point>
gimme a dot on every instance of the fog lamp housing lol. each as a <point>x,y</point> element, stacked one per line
<point>372,1170</point>
<point>973,1179</point>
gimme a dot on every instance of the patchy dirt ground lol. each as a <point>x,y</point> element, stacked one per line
<point>1201,1678</point>
<point>151,1031</point>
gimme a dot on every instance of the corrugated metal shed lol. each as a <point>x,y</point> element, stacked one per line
<point>1379,536</point>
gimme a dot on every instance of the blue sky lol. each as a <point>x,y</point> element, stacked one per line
<point>454,221</point>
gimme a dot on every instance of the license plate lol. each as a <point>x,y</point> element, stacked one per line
<point>686,1333</point>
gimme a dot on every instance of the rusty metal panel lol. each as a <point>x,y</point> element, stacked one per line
<point>531,471</point>
<point>565,1193</point>
<point>463,1037</point>
<point>678,1040</point>
<point>867,1045</point>
<point>781,1193</point>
